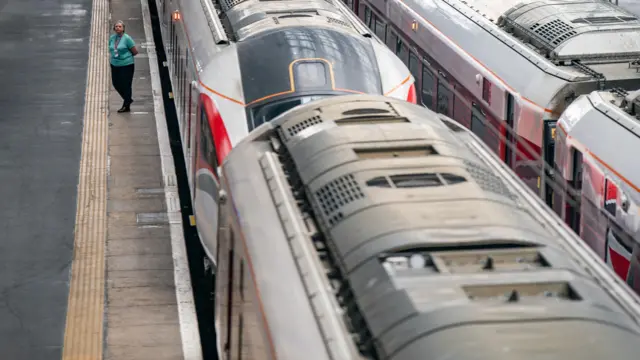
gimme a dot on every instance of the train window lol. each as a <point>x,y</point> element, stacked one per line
<point>402,51</point>
<point>414,67</point>
<point>367,17</point>
<point>577,169</point>
<point>486,90</point>
<point>444,98</point>
<point>206,141</point>
<point>172,29</point>
<point>392,39</point>
<point>175,54</point>
<point>185,84</point>
<point>478,121</point>
<point>573,203</point>
<point>179,76</point>
<point>380,28</point>
<point>266,112</point>
<point>310,75</point>
<point>350,4</point>
<point>190,104</point>
<point>428,84</point>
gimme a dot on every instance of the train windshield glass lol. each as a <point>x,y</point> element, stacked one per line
<point>267,112</point>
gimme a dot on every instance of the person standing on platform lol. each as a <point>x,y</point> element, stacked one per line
<point>122,49</point>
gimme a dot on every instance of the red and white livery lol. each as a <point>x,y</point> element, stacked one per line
<point>237,64</point>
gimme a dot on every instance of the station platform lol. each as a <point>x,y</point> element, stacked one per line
<point>92,256</point>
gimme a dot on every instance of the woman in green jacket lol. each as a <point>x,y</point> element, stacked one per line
<point>122,49</point>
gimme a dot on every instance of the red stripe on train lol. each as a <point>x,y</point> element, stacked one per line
<point>221,139</point>
<point>411,96</point>
<point>619,263</point>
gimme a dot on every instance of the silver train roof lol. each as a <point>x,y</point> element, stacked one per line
<point>430,244</point>
<point>572,29</point>
<point>538,46</point>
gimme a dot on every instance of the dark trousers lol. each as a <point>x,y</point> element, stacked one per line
<point>122,78</point>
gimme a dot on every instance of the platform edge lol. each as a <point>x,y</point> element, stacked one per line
<point>189,331</point>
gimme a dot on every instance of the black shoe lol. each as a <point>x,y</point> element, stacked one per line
<point>124,108</point>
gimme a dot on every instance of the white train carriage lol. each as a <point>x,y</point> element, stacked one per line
<point>507,69</point>
<point>237,64</point>
<point>364,227</point>
<point>596,145</point>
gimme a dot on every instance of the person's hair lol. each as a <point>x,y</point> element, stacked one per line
<point>121,23</point>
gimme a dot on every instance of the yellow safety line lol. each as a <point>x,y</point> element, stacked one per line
<point>83,337</point>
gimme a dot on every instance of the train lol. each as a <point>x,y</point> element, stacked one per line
<point>237,64</point>
<point>514,72</point>
<point>367,227</point>
<point>595,139</point>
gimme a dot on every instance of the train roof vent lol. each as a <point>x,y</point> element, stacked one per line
<point>227,5</point>
<point>338,22</point>
<point>517,292</point>
<point>555,31</point>
<point>343,115</point>
<point>416,180</point>
<point>394,152</point>
<point>487,180</point>
<point>336,194</point>
<point>292,130</point>
<point>569,30</point>
<point>471,259</point>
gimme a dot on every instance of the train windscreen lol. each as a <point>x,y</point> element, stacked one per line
<point>261,114</point>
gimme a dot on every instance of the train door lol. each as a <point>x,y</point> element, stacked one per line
<point>509,146</point>
<point>444,97</point>
<point>548,150</point>
<point>428,88</point>
<point>414,68</point>
<point>574,197</point>
<point>478,121</point>
<point>618,245</point>
<point>206,180</point>
<point>163,15</point>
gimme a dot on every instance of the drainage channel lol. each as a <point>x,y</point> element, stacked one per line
<point>201,284</point>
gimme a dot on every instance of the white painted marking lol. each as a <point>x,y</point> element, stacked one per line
<point>133,18</point>
<point>139,113</point>
<point>76,40</point>
<point>189,332</point>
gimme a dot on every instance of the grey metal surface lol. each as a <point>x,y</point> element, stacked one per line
<point>448,264</point>
<point>43,64</point>
<point>577,29</point>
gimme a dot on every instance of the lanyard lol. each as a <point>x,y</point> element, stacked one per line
<point>115,43</point>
